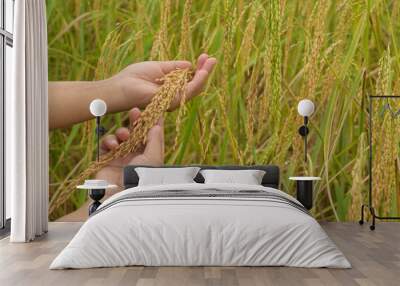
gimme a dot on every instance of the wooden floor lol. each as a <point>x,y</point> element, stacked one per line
<point>375,257</point>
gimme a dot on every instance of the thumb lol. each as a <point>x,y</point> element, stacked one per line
<point>154,150</point>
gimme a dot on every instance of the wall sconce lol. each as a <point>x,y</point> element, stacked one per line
<point>306,109</point>
<point>98,108</point>
<point>97,188</point>
<point>305,184</point>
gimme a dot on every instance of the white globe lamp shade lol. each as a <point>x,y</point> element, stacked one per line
<point>98,107</point>
<point>306,108</point>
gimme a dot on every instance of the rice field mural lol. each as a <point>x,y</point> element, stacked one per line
<point>271,54</point>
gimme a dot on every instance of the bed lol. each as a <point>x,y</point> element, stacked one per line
<point>201,224</point>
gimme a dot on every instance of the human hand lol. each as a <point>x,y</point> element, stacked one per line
<point>139,82</point>
<point>152,154</point>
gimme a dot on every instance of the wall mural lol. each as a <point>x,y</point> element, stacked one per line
<point>270,54</point>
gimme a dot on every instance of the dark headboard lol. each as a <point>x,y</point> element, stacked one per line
<point>270,179</point>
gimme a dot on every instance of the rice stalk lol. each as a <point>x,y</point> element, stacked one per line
<point>206,137</point>
<point>251,100</point>
<point>160,45</point>
<point>358,184</point>
<point>227,51</point>
<point>313,64</point>
<point>275,64</point>
<point>246,46</point>
<point>384,166</point>
<point>185,31</point>
<point>263,110</point>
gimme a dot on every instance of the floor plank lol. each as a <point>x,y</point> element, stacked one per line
<point>375,257</point>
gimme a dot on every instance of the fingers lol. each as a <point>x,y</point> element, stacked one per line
<point>209,64</point>
<point>201,60</point>
<point>122,134</point>
<point>196,85</point>
<point>109,142</point>
<point>205,66</point>
<point>134,115</point>
<point>169,66</point>
<point>112,141</point>
<point>153,151</point>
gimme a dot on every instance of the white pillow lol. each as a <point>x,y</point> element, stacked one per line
<point>248,177</point>
<point>166,176</point>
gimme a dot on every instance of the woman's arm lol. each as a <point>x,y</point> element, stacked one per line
<point>69,101</point>
<point>132,87</point>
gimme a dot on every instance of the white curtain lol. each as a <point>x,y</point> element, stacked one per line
<point>27,124</point>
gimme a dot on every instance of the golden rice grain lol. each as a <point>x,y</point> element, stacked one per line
<point>384,141</point>
<point>185,31</point>
<point>359,179</point>
<point>160,45</point>
<point>244,52</point>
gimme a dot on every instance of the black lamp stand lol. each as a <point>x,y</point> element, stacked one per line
<point>304,187</point>
<point>303,131</point>
<point>97,194</point>
<point>305,193</point>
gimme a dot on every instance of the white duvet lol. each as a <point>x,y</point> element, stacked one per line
<point>200,231</point>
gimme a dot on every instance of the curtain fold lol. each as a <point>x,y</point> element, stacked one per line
<point>27,124</point>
